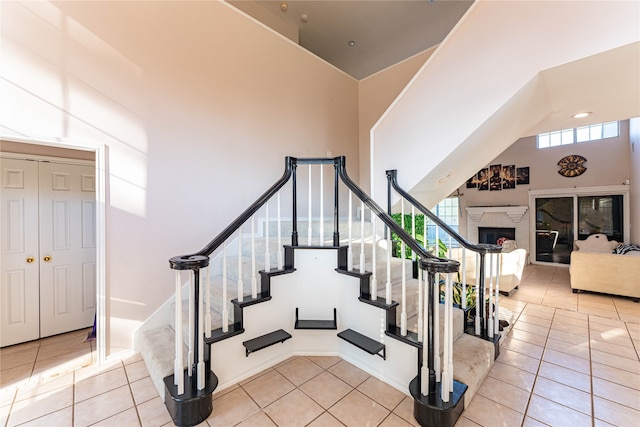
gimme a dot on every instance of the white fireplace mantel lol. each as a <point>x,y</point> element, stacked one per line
<point>515,213</point>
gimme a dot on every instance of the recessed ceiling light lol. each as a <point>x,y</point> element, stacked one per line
<point>284,6</point>
<point>351,43</point>
<point>581,115</point>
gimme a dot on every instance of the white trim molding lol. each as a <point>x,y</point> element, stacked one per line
<point>515,213</point>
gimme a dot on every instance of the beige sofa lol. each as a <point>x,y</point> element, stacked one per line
<point>511,267</point>
<point>594,268</point>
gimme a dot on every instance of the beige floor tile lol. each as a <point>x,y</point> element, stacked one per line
<point>505,394</point>
<point>136,371</point>
<point>259,419</point>
<point>567,361</point>
<point>65,348</point>
<point>293,409</point>
<point>356,410</point>
<point>4,414</point>
<point>153,413</point>
<point>598,312</point>
<point>531,422</point>
<point>564,320</point>
<point>18,358</point>
<point>19,347</point>
<point>617,338</point>
<point>466,422</point>
<point>326,389</point>
<point>620,394</point>
<point>299,370</point>
<point>600,423</point>
<point>519,360</point>
<point>326,420</point>
<point>393,420</point>
<point>512,375</point>
<point>35,388</point>
<point>102,406</point>
<point>616,361</point>
<point>529,337</point>
<point>95,369</point>
<point>253,377</point>
<point>14,377</point>
<point>143,390</point>
<point>128,418</point>
<point>530,327</point>
<point>554,414</point>
<point>325,362</point>
<point>218,393</point>
<point>62,417</point>
<point>268,388</point>
<point>535,320</point>
<point>542,310</point>
<point>618,350</point>
<point>99,384</point>
<point>630,318</point>
<point>7,395</point>
<point>565,376</point>
<point>405,411</point>
<point>571,329</point>
<point>597,322</point>
<point>349,373</point>
<point>486,412</point>
<point>523,347</point>
<point>568,337</point>
<point>381,392</point>
<point>40,405</point>
<point>572,349</point>
<point>618,376</point>
<point>521,295</point>
<point>614,413</point>
<point>573,314</point>
<point>560,303</point>
<point>51,367</point>
<point>232,408</point>
<point>564,395</point>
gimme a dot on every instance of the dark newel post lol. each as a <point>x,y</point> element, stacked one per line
<point>294,232</point>
<point>480,304</point>
<point>196,332</point>
<point>336,232</point>
<point>388,198</point>
<point>432,371</point>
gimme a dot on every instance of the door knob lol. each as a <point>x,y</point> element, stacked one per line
<point>47,258</point>
<point>30,259</point>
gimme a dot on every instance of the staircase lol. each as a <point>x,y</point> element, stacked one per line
<point>266,296</point>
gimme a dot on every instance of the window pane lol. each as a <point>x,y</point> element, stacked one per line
<point>567,136</point>
<point>595,132</point>
<point>554,139</point>
<point>610,130</point>
<point>600,214</point>
<point>582,134</point>
<point>543,140</point>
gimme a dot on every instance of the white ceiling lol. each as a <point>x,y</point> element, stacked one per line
<point>384,31</point>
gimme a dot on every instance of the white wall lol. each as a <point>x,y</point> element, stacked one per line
<point>196,106</point>
<point>634,148</point>
<point>607,164</point>
<point>482,89</point>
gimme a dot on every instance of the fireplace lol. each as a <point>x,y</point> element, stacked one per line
<point>492,234</point>
<point>512,218</point>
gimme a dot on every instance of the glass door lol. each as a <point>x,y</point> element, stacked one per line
<point>554,229</point>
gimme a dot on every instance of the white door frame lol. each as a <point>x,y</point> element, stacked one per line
<point>101,152</point>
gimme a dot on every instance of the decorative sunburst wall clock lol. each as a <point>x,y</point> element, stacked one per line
<point>572,166</point>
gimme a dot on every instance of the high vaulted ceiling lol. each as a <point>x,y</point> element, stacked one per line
<point>360,37</point>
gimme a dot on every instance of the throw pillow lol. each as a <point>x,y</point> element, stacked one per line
<point>596,243</point>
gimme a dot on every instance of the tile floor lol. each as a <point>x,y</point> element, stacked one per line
<point>570,360</point>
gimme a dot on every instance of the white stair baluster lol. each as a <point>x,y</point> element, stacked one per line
<point>254,279</point>
<point>388,284</point>
<point>207,312</point>
<point>425,327</point>
<point>225,311</point>
<point>444,389</point>
<point>178,370</point>
<point>403,313</point>
<point>450,334</point>
<point>479,301</point>
<point>490,316</point>
<point>321,206</point>
<point>420,305</point>
<point>200,366</point>
<point>463,266</point>
<point>496,309</point>
<point>362,237</point>
<point>436,327</point>
<point>280,255</point>
<point>267,254</point>
<point>309,229</point>
<point>240,282</point>
<point>192,319</point>
<point>374,274</point>
<point>350,227</point>
<point>413,230</point>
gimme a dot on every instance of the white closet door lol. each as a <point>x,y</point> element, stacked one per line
<point>67,247</point>
<point>19,266</point>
